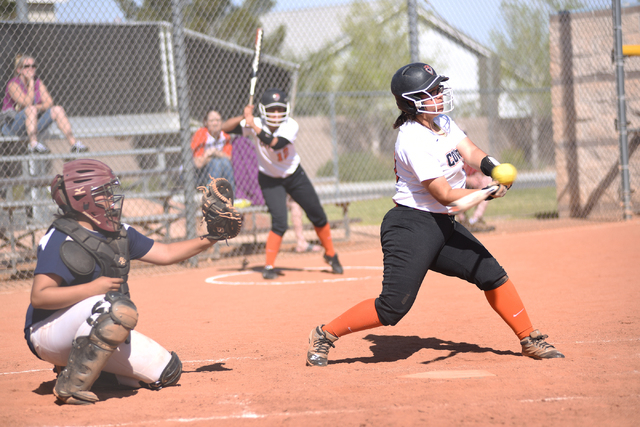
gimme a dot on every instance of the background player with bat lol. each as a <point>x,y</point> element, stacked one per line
<point>254,65</point>
<point>280,173</point>
<point>420,233</point>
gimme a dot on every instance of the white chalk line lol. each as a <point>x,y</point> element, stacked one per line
<point>226,359</point>
<point>606,341</point>
<point>219,360</point>
<point>249,415</point>
<point>27,372</point>
<point>554,399</point>
<point>216,280</point>
<point>240,358</point>
<point>563,398</point>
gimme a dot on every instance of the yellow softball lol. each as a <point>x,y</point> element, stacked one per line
<point>504,173</point>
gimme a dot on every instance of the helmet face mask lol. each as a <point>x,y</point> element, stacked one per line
<point>274,107</point>
<point>90,188</point>
<point>418,89</point>
<point>440,102</point>
<point>109,198</point>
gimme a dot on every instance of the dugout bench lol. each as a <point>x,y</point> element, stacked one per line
<point>30,175</point>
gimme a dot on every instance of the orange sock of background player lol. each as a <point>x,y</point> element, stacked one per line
<point>273,247</point>
<point>358,318</point>
<point>506,302</point>
<point>324,233</point>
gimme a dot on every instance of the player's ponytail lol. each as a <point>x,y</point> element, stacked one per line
<point>403,118</point>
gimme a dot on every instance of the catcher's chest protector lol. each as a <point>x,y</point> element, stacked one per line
<point>81,254</point>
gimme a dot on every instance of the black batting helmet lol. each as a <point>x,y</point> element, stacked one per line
<point>274,98</point>
<point>416,78</point>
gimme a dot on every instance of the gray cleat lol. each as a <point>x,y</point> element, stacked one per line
<point>536,347</point>
<point>319,343</point>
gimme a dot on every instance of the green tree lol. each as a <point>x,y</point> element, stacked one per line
<point>7,10</point>
<point>523,44</point>
<point>351,77</point>
<point>221,19</point>
<point>374,45</point>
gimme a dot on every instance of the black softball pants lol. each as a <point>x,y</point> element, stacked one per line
<point>299,187</point>
<point>414,242</point>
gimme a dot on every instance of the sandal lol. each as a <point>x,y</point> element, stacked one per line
<point>310,248</point>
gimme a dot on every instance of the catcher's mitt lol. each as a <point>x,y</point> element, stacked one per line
<point>223,220</point>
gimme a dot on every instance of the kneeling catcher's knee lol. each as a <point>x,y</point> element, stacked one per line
<point>170,375</point>
<point>113,326</point>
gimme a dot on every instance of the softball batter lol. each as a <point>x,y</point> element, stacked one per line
<point>81,318</point>
<point>419,234</point>
<point>280,173</point>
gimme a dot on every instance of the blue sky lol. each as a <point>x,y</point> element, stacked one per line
<point>468,23</point>
<point>108,11</point>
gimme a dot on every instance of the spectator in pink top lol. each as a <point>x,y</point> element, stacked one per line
<point>28,108</point>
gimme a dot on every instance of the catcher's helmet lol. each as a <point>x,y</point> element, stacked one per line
<point>89,187</point>
<point>411,80</point>
<point>273,98</point>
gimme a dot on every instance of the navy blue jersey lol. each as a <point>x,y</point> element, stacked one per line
<point>49,261</point>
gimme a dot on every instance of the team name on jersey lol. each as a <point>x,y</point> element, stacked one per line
<point>453,157</point>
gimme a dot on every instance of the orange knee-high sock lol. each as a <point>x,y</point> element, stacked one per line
<point>273,247</point>
<point>358,318</point>
<point>324,233</point>
<point>506,302</point>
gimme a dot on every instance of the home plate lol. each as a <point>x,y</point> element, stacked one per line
<point>440,375</point>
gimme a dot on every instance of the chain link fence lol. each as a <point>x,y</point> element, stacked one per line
<point>534,85</point>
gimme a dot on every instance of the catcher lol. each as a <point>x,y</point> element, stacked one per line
<point>82,318</point>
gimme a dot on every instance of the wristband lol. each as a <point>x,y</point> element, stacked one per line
<point>265,138</point>
<point>487,165</point>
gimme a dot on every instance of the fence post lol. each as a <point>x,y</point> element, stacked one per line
<point>334,139</point>
<point>414,44</point>
<point>489,78</point>
<point>622,112</point>
<point>180,55</point>
<point>569,136</point>
<point>22,11</point>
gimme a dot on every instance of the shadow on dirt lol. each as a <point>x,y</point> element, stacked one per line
<point>104,389</point>
<point>392,348</point>
<point>214,367</point>
<point>46,387</point>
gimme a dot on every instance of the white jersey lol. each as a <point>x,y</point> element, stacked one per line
<point>421,154</point>
<point>275,163</point>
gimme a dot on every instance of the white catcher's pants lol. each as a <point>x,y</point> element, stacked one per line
<point>142,359</point>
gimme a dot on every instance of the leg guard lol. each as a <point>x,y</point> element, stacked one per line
<point>90,353</point>
<point>170,376</point>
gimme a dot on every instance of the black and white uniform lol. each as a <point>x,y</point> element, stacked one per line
<point>419,234</point>
<point>280,173</point>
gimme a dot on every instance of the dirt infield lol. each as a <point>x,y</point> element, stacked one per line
<point>451,361</point>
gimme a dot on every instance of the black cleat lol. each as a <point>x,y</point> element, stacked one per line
<point>336,267</point>
<point>269,273</point>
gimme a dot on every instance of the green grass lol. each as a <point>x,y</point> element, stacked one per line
<point>367,212</point>
<point>528,203</point>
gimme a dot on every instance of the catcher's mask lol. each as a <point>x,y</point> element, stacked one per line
<point>415,85</point>
<point>90,188</point>
<point>274,107</point>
